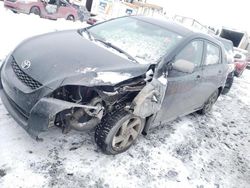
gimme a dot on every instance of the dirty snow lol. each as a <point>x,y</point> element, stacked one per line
<point>163,80</point>
<point>17,27</point>
<point>193,151</point>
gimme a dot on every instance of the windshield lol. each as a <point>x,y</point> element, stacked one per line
<point>144,41</point>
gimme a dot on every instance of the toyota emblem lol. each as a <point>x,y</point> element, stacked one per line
<point>25,64</point>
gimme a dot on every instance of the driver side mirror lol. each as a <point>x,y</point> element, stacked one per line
<point>183,66</point>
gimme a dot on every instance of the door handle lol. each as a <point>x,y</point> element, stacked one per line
<point>219,71</point>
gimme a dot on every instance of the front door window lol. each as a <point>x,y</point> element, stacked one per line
<point>192,53</point>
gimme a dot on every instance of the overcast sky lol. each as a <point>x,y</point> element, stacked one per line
<point>229,13</point>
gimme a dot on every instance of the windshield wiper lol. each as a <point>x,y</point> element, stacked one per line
<point>88,33</point>
<point>108,44</point>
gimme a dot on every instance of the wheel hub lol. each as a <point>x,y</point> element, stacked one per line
<point>127,133</point>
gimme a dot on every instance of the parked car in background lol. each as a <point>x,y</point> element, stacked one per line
<point>95,19</point>
<point>240,62</point>
<point>83,11</point>
<point>248,63</point>
<point>121,77</point>
<point>53,9</point>
<point>228,45</point>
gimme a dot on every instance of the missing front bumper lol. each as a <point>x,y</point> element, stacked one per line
<point>42,114</point>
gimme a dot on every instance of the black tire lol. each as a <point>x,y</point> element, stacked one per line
<point>209,103</point>
<point>71,18</point>
<point>35,10</point>
<point>111,128</point>
<point>14,11</point>
<point>240,74</point>
<point>229,83</point>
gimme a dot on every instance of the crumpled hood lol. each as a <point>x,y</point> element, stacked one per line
<point>59,55</point>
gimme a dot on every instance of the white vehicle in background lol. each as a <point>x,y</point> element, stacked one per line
<point>240,39</point>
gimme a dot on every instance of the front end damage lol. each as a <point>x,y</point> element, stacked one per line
<point>90,104</point>
<point>141,96</point>
<point>82,108</point>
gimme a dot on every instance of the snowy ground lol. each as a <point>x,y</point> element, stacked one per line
<point>194,151</point>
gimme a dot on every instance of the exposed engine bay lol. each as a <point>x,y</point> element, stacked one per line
<point>131,95</point>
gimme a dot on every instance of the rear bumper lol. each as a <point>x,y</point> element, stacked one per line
<point>15,7</point>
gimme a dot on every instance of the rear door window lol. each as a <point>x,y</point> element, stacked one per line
<point>212,54</point>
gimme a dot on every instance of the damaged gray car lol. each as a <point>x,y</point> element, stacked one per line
<point>120,77</point>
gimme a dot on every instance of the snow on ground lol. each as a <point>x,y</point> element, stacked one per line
<point>193,151</point>
<point>17,27</point>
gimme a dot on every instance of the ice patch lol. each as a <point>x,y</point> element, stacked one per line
<point>112,77</point>
<point>85,70</point>
<point>163,80</point>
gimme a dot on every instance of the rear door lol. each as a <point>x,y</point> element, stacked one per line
<point>213,69</point>
<point>184,89</point>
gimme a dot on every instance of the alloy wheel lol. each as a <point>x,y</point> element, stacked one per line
<point>127,133</point>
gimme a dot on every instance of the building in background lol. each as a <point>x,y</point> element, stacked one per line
<point>116,8</point>
<point>193,24</point>
<point>78,2</point>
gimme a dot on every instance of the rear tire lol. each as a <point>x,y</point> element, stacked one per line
<point>71,18</point>
<point>229,84</point>
<point>240,74</point>
<point>209,103</point>
<point>35,10</point>
<point>118,131</point>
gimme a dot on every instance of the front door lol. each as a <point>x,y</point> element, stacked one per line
<point>51,8</point>
<point>183,91</point>
<point>63,9</point>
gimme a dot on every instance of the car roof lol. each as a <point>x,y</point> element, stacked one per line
<point>170,25</point>
<point>177,28</point>
<point>224,40</point>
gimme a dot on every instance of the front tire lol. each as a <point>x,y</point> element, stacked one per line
<point>36,11</point>
<point>238,74</point>
<point>71,18</point>
<point>209,103</point>
<point>118,131</point>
